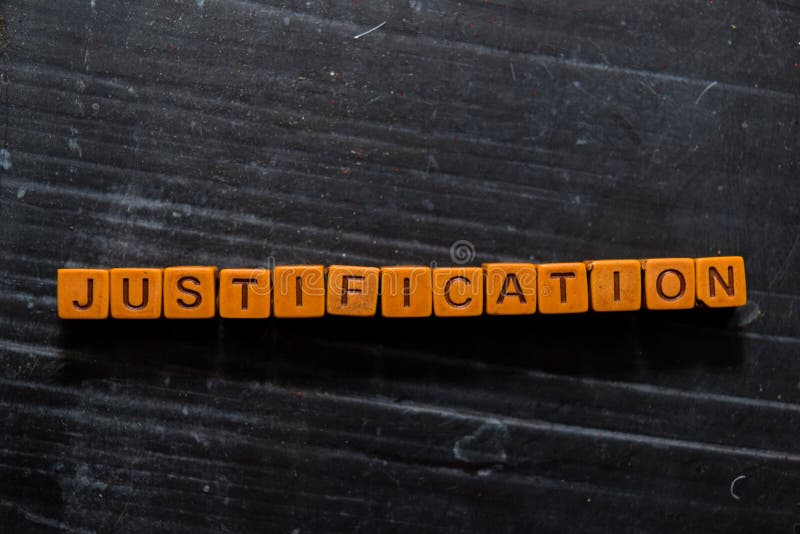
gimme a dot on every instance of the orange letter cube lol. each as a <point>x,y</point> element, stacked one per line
<point>190,292</point>
<point>82,293</point>
<point>299,291</point>
<point>406,292</point>
<point>353,290</point>
<point>457,291</point>
<point>510,288</point>
<point>563,288</point>
<point>244,293</point>
<point>615,285</point>
<point>720,281</point>
<point>669,283</point>
<point>136,293</point>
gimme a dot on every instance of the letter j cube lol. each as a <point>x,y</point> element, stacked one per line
<point>83,293</point>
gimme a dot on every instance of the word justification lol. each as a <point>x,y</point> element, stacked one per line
<point>409,291</point>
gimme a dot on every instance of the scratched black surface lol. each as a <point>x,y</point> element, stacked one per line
<point>229,132</point>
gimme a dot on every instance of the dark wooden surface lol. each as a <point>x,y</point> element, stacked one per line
<point>240,132</point>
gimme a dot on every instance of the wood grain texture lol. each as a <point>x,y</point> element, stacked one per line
<point>229,132</point>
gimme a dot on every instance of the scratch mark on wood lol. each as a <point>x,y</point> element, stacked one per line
<point>704,91</point>
<point>360,35</point>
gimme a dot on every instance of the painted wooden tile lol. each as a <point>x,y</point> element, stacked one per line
<point>136,293</point>
<point>190,292</point>
<point>615,285</point>
<point>669,283</point>
<point>406,291</point>
<point>244,293</point>
<point>720,281</point>
<point>83,293</point>
<point>510,288</point>
<point>563,288</point>
<point>352,290</point>
<point>299,291</point>
<point>457,291</point>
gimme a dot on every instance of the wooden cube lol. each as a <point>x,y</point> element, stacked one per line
<point>406,291</point>
<point>352,290</point>
<point>244,293</point>
<point>720,281</point>
<point>190,292</point>
<point>563,288</point>
<point>669,283</point>
<point>615,285</point>
<point>510,288</point>
<point>299,291</point>
<point>457,291</point>
<point>83,293</point>
<point>136,293</point>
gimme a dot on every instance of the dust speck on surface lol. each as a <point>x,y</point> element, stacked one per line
<point>72,143</point>
<point>485,445</point>
<point>5,160</point>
